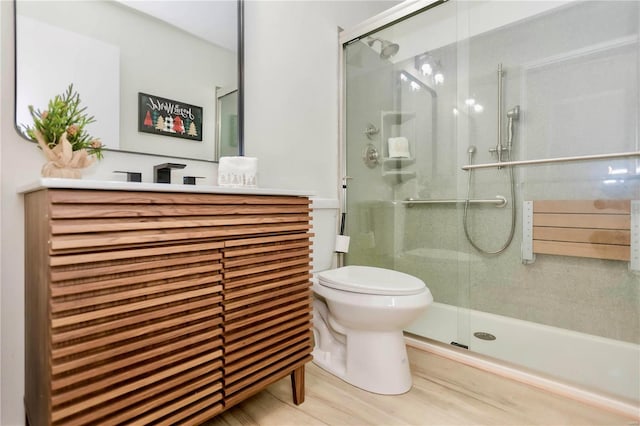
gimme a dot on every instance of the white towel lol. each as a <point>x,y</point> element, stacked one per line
<point>238,171</point>
<point>399,147</point>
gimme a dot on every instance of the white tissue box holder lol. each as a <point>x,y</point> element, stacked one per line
<point>238,172</point>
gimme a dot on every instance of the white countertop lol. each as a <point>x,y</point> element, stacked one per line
<point>44,183</point>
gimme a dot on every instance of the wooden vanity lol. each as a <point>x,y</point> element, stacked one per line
<point>145,306</point>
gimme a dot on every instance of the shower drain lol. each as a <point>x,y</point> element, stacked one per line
<point>484,336</point>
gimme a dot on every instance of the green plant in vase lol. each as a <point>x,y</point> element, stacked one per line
<point>61,133</point>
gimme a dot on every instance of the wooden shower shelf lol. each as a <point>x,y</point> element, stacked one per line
<point>599,229</point>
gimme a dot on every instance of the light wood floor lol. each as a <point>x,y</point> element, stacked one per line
<point>444,393</point>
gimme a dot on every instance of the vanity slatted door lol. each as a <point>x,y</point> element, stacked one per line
<point>125,323</point>
<point>267,313</point>
<point>137,337</point>
<point>124,301</point>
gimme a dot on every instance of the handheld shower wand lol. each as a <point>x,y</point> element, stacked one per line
<point>513,115</point>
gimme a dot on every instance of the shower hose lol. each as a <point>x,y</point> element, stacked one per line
<point>513,210</point>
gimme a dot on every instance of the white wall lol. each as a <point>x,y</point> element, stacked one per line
<point>291,125</point>
<point>291,89</point>
<point>38,84</point>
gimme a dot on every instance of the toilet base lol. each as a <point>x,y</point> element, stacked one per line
<point>375,361</point>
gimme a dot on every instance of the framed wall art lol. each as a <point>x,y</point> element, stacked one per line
<point>167,117</point>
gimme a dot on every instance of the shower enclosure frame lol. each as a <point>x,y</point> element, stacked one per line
<point>354,34</point>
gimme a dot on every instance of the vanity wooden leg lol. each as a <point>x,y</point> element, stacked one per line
<point>297,385</point>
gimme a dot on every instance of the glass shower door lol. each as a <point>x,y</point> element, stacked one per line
<point>403,159</point>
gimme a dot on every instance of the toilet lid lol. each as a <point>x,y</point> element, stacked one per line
<point>371,280</point>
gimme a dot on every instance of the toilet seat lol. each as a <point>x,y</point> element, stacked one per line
<point>371,280</point>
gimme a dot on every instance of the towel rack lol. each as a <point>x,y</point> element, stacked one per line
<point>499,201</point>
<point>553,160</point>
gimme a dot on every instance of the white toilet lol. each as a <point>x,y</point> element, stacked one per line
<point>359,314</point>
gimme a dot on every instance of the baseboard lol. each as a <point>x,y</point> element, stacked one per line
<point>570,391</point>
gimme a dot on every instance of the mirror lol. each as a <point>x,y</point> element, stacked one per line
<point>135,63</point>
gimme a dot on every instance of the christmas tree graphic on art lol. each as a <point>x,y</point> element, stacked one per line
<point>168,124</point>
<point>192,129</point>
<point>177,125</point>
<point>147,120</point>
<point>160,123</point>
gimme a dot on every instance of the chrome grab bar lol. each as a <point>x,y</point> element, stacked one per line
<point>553,160</point>
<point>499,201</point>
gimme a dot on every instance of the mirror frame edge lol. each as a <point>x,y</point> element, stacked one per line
<point>241,77</point>
<point>240,71</point>
<point>15,72</point>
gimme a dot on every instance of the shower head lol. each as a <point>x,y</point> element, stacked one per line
<point>514,113</point>
<point>387,48</point>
